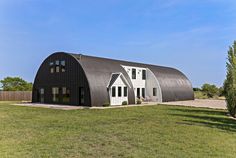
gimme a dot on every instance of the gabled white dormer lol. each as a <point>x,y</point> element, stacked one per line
<point>138,77</point>
<point>145,83</point>
<point>118,89</point>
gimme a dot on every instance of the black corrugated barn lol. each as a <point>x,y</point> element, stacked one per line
<point>75,79</point>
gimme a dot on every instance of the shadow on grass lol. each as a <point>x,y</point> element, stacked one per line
<point>206,117</point>
<point>200,111</point>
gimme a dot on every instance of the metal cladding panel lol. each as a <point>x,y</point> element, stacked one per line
<point>174,84</point>
<point>73,78</point>
<point>98,72</point>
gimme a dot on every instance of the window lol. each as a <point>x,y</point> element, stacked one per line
<point>119,91</point>
<point>57,66</point>
<point>63,63</point>
<point>65,95</point>
<point>144,74</point>
<point>154,91</point>
<point>81,96</point>
<point>138,92</point>
<point>57,69</point>
<point>52,70</point>
<point>143,92</point>
<point>41,95</point>
<point>55,94</point>
<point>125,92</point>
<point>51,64</point>
<point>133,73</point>
<point>113,91</point>
<point>63,66</point>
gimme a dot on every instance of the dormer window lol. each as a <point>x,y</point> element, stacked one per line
<point>144,74</point>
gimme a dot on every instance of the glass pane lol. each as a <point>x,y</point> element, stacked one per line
<point>55,94</point>
<point>119,91</point>
<point>41,95</point>
<point>133,73</point>
<point>52,70</point>
<point>57,69</point>
<point>66,95</point>
<point>143,92</point>
<point>154,92</point>
<point>144,74</point>
<point>113,91</point>
<point>63,63</point>
<point>125,91</point>
<point>138,92</point>
<point>82,95</point>
<point>57,62</point>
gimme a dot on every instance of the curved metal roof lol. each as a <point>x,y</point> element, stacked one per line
<point>174,84</point>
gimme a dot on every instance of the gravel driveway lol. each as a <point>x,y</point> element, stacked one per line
<point>206,103</point>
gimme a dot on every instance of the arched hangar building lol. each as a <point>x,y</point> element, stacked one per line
<point>76,79</point>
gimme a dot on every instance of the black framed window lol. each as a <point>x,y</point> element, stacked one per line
<point>41,95</point>
<point>81,95</point>
<point>138,92</point>
<point>125,92</point>
<point>55,94</point>
<point>143,93</point>
<point>133,73</point>
<point>119,91</point>
<point>144,74</point>
<point>57,66</point>
<point>65,95</point>
<point>63,66</point>
<point>113,91</point>
<point>154,91</point>
<point>51,70</point>
<point>51,64</point>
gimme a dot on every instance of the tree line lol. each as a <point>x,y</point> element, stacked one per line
<point>209,91</point>
<point>15,84</point>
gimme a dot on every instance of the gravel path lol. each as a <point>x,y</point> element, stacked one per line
<point>206,103</point>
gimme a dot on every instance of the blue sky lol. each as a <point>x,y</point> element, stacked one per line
<point>191,35</point>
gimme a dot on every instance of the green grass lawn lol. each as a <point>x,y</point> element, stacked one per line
<point>152,131</point>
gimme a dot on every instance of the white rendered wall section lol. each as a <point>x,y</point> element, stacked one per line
<point>138,82</point>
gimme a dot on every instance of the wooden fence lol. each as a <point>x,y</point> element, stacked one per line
<point>15,95</point>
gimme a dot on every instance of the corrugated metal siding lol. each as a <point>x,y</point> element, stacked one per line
<point>174,84</point>
<point>94,73</point>
<point>73,78</point>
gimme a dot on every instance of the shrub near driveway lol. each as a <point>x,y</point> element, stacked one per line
<point>151,131</point>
